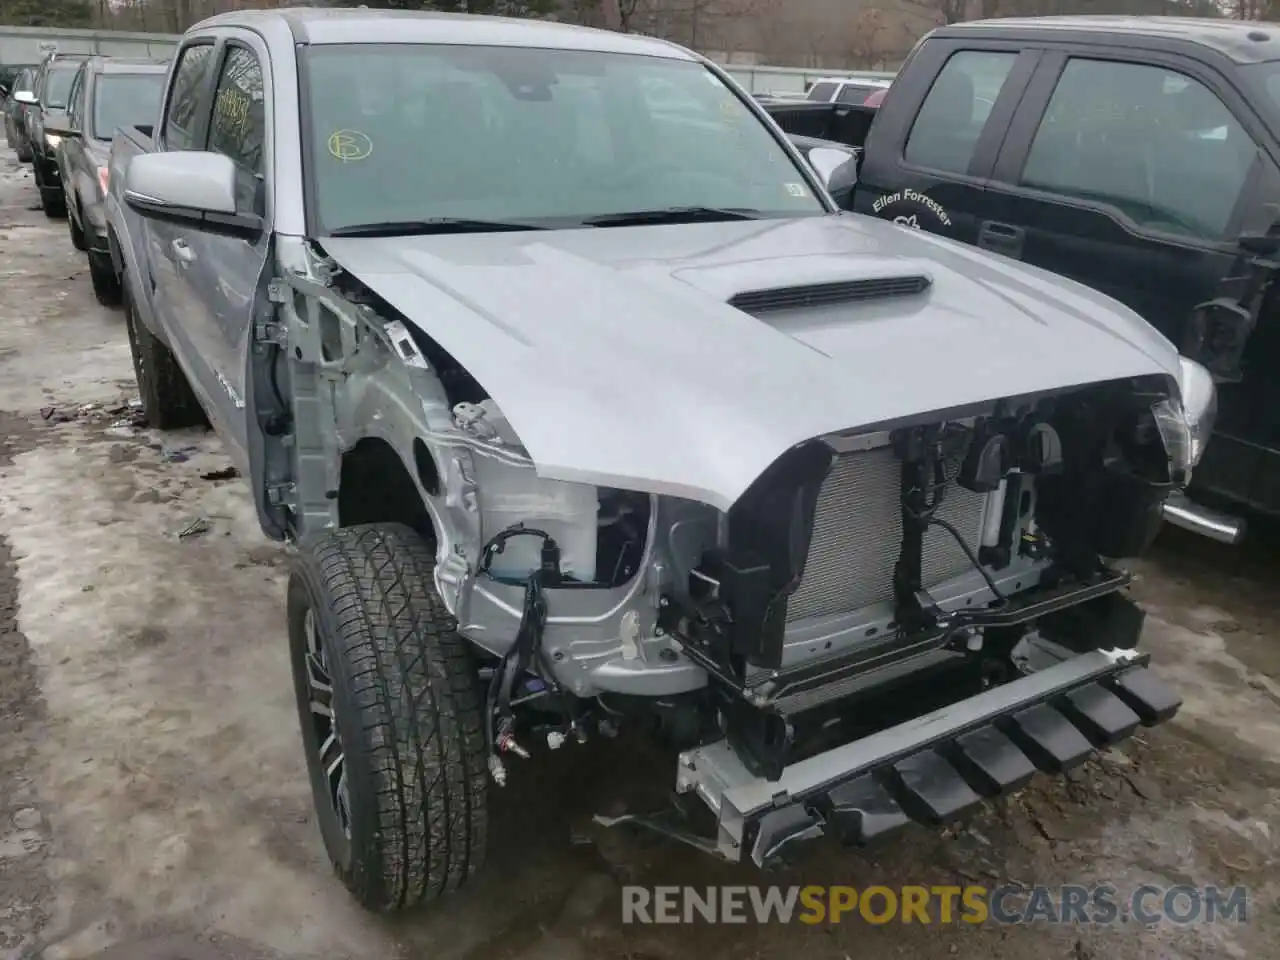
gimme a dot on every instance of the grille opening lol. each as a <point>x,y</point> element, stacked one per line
<point>827,294</point>
<point>857,537</point>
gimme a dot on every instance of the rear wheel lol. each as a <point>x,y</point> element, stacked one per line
<point>391,710</point>
<point>24,153</point>
<point>166,396</point>
<point>106,286</point>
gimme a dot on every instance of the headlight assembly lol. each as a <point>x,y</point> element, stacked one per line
<point>1186,423</point>
<point>1199,404</point>
<point>52,139</point>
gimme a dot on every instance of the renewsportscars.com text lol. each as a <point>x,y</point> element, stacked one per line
<point>1067,904</point>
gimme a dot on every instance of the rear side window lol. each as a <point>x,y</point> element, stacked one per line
<point>181,119</point>
<point>1156,145</point>
<point>946,129</point>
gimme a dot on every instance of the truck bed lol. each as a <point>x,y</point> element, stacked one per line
<point>837,122</point>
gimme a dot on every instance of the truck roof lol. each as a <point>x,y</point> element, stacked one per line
<point>1244,41</point>
<point>128,65</point>
<point>328,26</point>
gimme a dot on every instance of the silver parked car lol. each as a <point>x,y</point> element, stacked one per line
<point>582,423</point>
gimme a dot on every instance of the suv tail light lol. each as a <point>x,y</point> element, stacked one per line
<point>104,178</point>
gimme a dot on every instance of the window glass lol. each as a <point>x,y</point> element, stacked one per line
<point>519,135</point>
<point>946,129</point>
<point>75,99</point>
<point>853,93</point>
<point>1157,145</point>
<point>125,100</point>
<point>822,91</point>
<point>238,128</point>
<point>57,85</point>
<point>181,121</point>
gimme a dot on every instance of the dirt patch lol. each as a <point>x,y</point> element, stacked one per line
<point>25,887</point>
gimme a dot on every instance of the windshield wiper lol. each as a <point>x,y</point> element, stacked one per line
<point>434,225</point>
<point>672,215</point>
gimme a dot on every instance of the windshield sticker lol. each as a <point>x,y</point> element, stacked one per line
<point>796,189</point>
<point>349,145</point>
<point>910,208</point>
<point>729,109</point>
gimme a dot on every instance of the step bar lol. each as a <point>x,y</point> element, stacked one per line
<point>932,768</point>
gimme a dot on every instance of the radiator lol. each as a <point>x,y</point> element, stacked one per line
<point>857,537</point>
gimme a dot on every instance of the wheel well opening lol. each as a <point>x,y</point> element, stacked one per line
<point>376,487</point>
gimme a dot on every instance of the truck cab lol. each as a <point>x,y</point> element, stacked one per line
<point>1137,155</point>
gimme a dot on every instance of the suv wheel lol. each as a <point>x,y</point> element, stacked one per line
<point>106,286</point>
<point>166,395</point>
<point>52,201</point>
<point>77,234</point>
<point>391,710</point>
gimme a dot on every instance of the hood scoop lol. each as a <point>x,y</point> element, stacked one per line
<point>809,296</point>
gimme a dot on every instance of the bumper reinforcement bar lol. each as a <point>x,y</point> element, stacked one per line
<point>932,768</point>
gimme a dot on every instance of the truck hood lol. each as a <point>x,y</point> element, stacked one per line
<point>615,356</point>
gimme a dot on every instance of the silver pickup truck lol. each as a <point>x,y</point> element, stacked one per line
<point>591,415</point>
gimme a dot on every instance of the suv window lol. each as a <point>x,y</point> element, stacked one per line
<point>181,120</point>
<point>946,129</point>
<point>1156,145</point>
<point>57,84</point>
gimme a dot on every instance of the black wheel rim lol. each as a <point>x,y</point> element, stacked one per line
<point>324,721</point>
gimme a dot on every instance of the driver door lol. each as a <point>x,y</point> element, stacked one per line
<point>1130,177</point>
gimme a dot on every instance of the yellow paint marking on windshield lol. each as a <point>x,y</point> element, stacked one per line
<point>349,145</point>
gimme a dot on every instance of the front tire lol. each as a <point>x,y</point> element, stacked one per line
<point>77,234</point>
<point>106,286</point>
<point>391,711</point>
<point>167,398</point>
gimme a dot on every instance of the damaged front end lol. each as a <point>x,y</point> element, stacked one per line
<point>898,623</point>
<point>889,624</point>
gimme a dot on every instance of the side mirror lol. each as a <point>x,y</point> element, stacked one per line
<point>26,96</point>
<point>194,188</point>
<point>838,169</point>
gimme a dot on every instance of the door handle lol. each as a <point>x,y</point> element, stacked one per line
<point>182,252</point>
<point>1001,238</point>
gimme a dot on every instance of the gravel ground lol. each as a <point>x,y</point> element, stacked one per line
<point>153,797</point>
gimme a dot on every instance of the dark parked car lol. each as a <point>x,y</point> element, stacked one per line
<point>107,93</point>
<point>52,87</point>
<point>15,112</point>
<point>1138,155</point>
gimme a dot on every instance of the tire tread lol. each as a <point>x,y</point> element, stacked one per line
<point>413,683</point>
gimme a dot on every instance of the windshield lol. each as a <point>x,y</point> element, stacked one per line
<point>57,85</point>
<point>554,137</point>
<point>125,100</point>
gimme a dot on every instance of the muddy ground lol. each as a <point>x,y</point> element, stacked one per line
<point>153,798</point>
